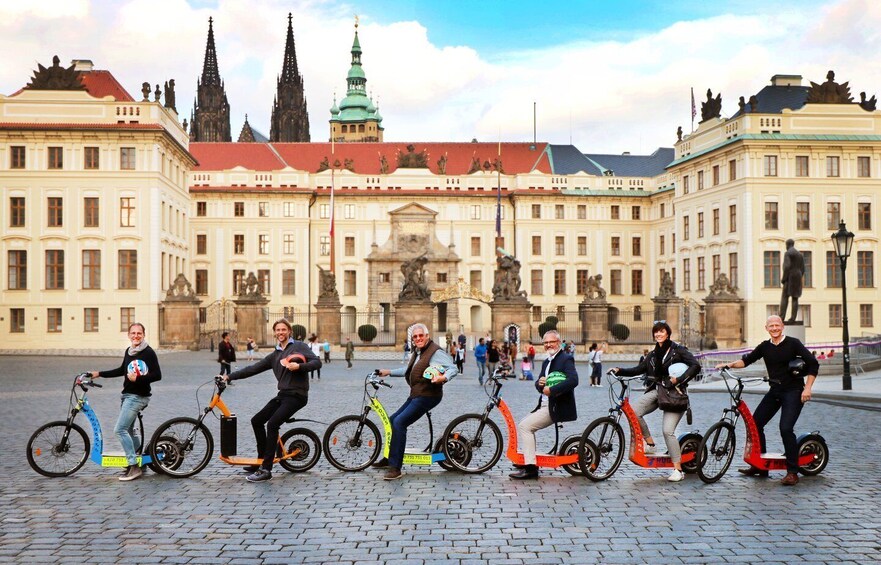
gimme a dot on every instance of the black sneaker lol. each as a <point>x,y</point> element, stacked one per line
<point>260,475</point>
<point>381,464</point>
<point>133,472</point>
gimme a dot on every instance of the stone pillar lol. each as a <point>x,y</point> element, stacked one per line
<point>505,313</point>
<point>179,316</point>
<point>329,320</point>
<point>409,312</point>
<point>180,325</point>
<point>795,329</point>
<point>251,319</point>
<point>594,321</point>
<point>724,321</point>
<point>669,309</point>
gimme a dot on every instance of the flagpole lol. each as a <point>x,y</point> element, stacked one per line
<point>332,183</point>
<point>499,194</point>
<point>693,109</point>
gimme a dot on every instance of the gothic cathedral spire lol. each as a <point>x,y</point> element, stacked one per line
<point>290,119</point>
<point>210,117</point>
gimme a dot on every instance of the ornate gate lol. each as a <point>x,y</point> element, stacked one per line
<point>214,319</point>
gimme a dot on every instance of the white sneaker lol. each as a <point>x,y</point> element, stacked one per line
<point>648,449</point>
<point>675,476</point>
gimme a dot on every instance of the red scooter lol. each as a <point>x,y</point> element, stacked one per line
<point>718,445</point>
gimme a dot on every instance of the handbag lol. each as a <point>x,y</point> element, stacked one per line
<point>672,398</point>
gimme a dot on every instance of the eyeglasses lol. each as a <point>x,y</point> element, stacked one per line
<point>659,322</point>
<point>419,335</point>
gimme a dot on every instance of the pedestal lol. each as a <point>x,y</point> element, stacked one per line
<point>724,319</point>
<point>795,329</point>
<point>251,320</point>
<point>594,322</point>
<point>180,325</point>
<point>329,321</point>
<point>507,313</point>
<point>670,310</point>
<point>409,313</point>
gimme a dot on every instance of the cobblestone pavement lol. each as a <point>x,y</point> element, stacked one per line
<point>431,516</point>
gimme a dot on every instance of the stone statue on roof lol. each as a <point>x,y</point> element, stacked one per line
<point>145,90</point>
<point>442,165</point>
<point>830,92</point>
<point>868,105</point>
<point>712,108</point>
<point>169,95</point>
<point>679,133</point>
<point>55,77</point>
<point>411,159</point>
<point>383,165</point>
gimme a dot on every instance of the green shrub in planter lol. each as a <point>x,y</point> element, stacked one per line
<point>620,332</point>
<point>298,332</point>
<point>367,332</point>
<point>552,320</point>
<point>545,327</point>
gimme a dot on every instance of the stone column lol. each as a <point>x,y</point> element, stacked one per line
<point>594,321</point>
<point>724,319</point>
<point>251,319</point>
<point>409,312</point>
<point>507,312</point>
<point>669,309</point>
<point>179,327</point>
<point>329,320</point>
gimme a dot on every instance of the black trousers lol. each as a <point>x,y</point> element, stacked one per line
<point>268,421</point>
<point>790,403</point>
<point>224,368</point>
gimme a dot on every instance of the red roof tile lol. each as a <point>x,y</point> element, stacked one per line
<point>366,157</point>
<point>101,83</point>
<point>224,156</point>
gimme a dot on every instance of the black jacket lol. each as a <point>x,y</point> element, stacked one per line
<point>676,354</point>
<point>289,382</point>
<point>561,401</point>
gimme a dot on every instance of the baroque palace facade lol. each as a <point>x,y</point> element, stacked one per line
<point>106,199</point>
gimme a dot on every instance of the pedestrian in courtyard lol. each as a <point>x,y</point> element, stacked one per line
<point>226,354</point>
<point>251,347</point>
<point>325,348</point>
<point>140,366</point>
<point>480,359</point>
<point>316,349</point>
<point>492,356</point>
<point>425,394</point>
<point>350,352</point>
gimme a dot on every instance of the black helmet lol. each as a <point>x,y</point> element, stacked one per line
<point>797,367</point>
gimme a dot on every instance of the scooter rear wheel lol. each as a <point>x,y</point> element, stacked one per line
<point>815,445</point>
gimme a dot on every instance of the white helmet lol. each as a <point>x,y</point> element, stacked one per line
<point>676,370</point>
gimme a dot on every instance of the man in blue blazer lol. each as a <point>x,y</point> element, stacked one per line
<point>560,406</point>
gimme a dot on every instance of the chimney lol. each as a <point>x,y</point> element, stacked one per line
<point>786,80</point>
<point>626,153</point>
<point>84,65</point>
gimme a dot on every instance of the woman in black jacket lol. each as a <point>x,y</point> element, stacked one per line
<point>656,367</point>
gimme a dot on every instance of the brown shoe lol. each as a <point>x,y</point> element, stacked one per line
<point>752,471</point>
<point>392,474</point>
<point>791,479</point>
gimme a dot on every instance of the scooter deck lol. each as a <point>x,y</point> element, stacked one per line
<point>118,459</point>
<point>236,460</point>
<point>547,460</point>
<point>417,457</point>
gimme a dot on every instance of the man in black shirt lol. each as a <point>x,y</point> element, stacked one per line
<point>788,392</point>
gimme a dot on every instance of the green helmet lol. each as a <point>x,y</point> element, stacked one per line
<point>555,378</point>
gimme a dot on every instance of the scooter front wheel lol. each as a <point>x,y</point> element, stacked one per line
<point>182,447</point>
<point>58,451</point>
<point>473,444</point>
<point>716,451</point>
<point>352,444</point>
<point>607,438</point>
<point>813,444</point>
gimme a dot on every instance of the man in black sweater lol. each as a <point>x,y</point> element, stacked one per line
<point>293,393</point>
<point>788,392</point>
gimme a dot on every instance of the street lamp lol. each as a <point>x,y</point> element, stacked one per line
<point>843,242</point>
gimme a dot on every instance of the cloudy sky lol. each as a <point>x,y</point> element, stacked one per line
<point>607,76</point>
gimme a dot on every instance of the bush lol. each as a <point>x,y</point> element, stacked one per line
<point>553,320</point>
<point>620,332</point>
<point>545,327</point>
<point>298,332</point>
<point>367,332</point>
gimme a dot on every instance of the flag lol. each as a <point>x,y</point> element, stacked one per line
<point>693,106</point>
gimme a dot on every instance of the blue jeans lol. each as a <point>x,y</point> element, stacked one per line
<point>406,415</point>
<point>129,408</point>
<point>790,403</point>
<point>481,370</point>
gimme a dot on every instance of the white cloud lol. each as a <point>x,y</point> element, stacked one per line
<point>610,95</point>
